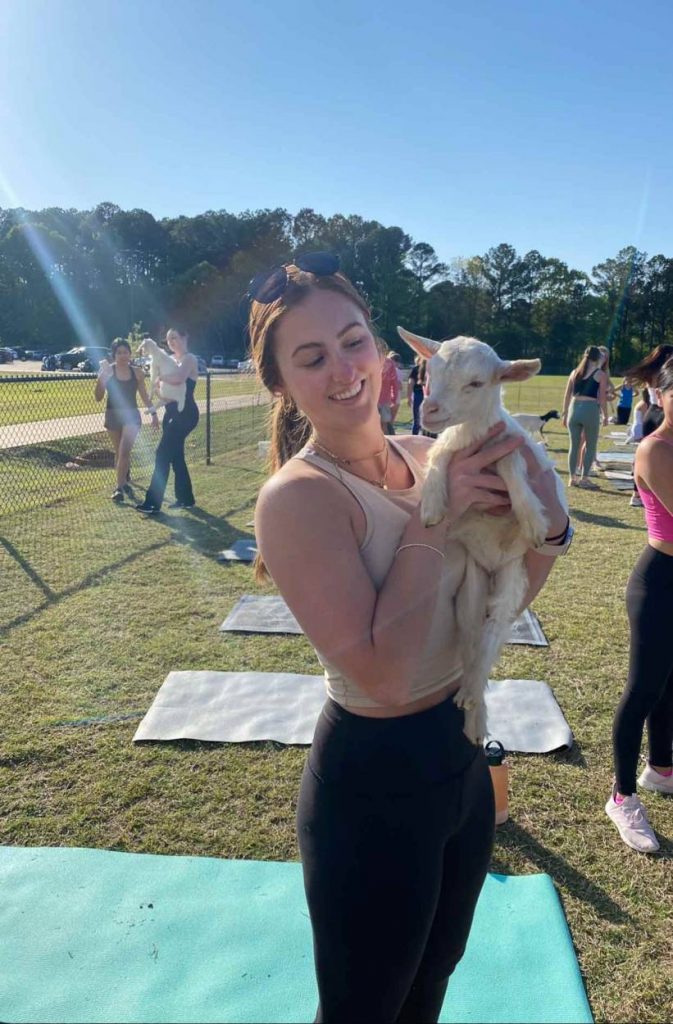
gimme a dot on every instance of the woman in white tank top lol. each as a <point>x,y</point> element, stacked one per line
<point>395,810</point>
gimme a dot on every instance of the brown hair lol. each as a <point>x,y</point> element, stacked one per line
<point>647,370</point>
<point>592,354</point>
<point>289,427</point>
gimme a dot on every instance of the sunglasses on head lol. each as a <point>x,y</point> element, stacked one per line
<point>269,285</point>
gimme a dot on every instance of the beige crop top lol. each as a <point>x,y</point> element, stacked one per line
<point>386,515</point>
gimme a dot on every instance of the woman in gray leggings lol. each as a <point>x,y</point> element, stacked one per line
<point>584,403</point>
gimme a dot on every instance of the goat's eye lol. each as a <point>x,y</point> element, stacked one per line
<point>476,384</point>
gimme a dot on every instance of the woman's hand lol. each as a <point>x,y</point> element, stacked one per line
<point>105,373</point>
<point>471,480</point>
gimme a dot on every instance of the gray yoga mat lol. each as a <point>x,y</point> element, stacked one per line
<point>242,707</point>
<point>618,459</point>
<point>252,614</point>
<point>242,550</point>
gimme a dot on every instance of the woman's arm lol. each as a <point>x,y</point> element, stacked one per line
<point>603,396</point>
<point>567,398</point>
<point>183,370</point>
<point>307,522</point>
<point>101,382</point>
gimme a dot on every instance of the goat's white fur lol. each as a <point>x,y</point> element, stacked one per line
<point>163,363</point>
<point>463,402</point>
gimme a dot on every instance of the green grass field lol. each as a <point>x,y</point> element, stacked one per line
<point>31,401</point>
<point>97,605</point>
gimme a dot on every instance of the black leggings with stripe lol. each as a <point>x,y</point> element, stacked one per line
<point>648,697</point>
<point>395,824</point>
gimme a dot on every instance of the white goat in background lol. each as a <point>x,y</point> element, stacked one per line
<point>463,402</point>
<point>163,363</point>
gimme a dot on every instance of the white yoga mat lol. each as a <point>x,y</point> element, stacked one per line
<point>241,707</point>
<point>607,459</point>
<point>618,435</point>
<point>252,614</point>
<point>618,474</point>
<point>242,550</point>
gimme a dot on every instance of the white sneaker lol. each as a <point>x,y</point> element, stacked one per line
<point>655,782</point>
<point>636,501</point>
<point>631,820</point>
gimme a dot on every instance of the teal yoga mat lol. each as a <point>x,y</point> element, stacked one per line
<point>92,936</point>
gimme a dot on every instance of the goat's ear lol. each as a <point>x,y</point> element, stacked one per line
<point>424,346</point>
<point>520,369</point>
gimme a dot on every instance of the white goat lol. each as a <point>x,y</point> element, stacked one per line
<point>463,402</point>
<point>535,424</point>
<point>162,363</point>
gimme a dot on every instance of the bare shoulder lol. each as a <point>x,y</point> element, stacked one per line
<point>417,445</point>
<point>298,493</point>
<point>653,455</point>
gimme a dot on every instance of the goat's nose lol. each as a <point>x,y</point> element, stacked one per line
<point>430,405</point>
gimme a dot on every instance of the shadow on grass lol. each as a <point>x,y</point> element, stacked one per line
<point>589,517</point>
<point>53,597</point>
<point>513,837</point>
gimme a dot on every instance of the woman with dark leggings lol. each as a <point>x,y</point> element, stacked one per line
<point>648,697</point>
<point>176,427</point>
<point>395,815</point>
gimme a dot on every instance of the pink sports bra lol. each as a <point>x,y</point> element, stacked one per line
<point>659,520</point>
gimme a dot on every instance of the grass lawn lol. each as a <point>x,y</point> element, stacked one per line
<point>98,605</point>
<point>27,401</point>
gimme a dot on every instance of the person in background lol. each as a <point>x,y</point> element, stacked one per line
<point>416,391</point>
<point>176,427</point>
<point>389,399</point>
<point>648,697</point>
<point>635,433</point>
<point>122,382</point>
<point>584,403</point>
<point>625,403</point>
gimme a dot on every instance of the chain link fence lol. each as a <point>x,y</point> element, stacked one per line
<point>54,446</point>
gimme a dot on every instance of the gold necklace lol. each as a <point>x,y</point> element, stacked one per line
<point>382,483</point>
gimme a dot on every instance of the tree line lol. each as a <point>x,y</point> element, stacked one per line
<point>72,277</point>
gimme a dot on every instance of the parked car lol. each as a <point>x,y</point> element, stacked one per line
<point>49,362</point>
<point>217,362</point>
<point>6,355</point>
<point>34,353</point>
<point>231,364</point>
<point>202,364</point>
<point>70,359</point>
<point>246,366</point>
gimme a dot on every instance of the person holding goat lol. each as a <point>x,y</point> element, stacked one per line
<point>177,425</point>
<point>395,813</point>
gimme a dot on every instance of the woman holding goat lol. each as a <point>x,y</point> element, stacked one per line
<point>176,427</point>
<point>395,813</point>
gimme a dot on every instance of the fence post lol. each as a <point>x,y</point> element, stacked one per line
<point>208,418</point>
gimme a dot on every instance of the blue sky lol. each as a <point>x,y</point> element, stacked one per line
<point>543,124</point>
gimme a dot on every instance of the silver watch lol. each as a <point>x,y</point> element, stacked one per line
<point>558,547</point>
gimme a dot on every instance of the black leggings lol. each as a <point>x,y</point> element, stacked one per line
<point>648,696</point>
<point>395,824</point>
<point>171,452</point>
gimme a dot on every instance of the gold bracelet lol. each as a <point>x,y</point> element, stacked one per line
<point>429,546</point>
